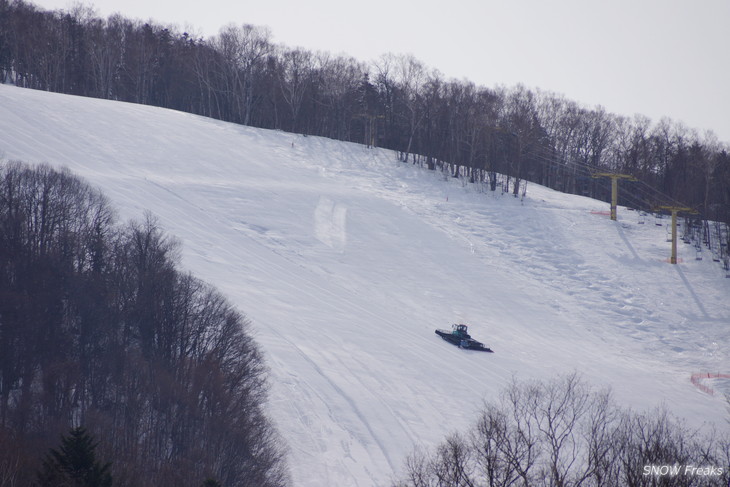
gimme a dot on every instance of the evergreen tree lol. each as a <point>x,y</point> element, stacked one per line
<point>75,465</point>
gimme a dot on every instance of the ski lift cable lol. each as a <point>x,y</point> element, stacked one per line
<point>641,195</point>
<point>651,195</point>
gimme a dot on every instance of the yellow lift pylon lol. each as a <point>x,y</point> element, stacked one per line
<point>674,210</point>
<point>614,188</point>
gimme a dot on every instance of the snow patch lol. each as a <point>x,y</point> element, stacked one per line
<point>330,220</point>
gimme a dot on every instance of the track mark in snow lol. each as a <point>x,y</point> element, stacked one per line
<point>352,404</point>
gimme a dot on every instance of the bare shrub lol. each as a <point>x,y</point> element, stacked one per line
<point>563,433</point>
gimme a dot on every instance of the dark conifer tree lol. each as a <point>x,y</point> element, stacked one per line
<point>75,463</point>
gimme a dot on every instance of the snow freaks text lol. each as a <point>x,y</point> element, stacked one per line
<point>683,470</point>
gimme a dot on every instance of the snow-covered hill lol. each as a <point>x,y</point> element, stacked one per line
<point>346,260</point>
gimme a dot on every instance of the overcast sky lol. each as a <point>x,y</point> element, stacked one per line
<point>653,57</point>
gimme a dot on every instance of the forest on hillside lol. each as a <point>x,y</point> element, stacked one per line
<point>100,330</point>
<point>395,102</point>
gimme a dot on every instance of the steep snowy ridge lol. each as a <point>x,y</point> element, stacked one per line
<point>346,260</point>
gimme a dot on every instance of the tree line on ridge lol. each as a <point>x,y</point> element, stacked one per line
<point>240,75</point>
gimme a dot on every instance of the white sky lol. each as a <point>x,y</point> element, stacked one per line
<point>653,57</point>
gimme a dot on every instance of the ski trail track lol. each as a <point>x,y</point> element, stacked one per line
<point>346,260</point>
<point>292,277</point>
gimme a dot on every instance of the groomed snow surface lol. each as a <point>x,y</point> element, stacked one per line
<point>346,260</point>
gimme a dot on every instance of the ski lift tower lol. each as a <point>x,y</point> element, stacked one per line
<point>614,187</point>
<point>674,210</point>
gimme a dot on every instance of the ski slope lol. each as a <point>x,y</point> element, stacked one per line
<point>346,260</point>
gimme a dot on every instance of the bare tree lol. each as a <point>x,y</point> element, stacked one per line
<point>294,81</point>
<point>410,75</point>
<point>243,49</point>
<point>560,409</point>
<point>491,441</point>
<point>564,434</point>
